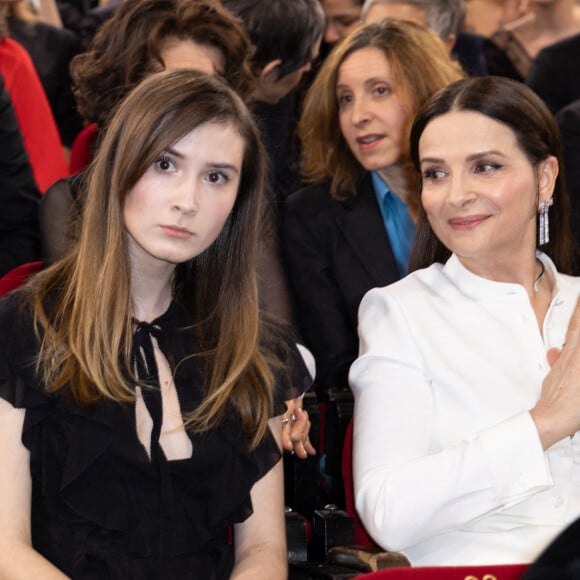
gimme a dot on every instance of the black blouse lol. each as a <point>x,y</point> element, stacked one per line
<point>101,506</point>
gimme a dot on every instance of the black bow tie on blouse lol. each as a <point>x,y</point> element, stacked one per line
<point>145,367</point>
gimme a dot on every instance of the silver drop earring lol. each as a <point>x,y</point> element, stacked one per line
<point>544,226</point>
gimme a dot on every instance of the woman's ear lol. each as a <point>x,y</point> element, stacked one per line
<point>547,174</point>
<point>270,71</point>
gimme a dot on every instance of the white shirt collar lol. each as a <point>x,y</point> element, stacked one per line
<point>477,287</point>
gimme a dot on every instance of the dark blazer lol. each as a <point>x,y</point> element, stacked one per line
<point>468,49</point>
<point>19,195</point>
<point>555,73</point>
<point>335,252</point>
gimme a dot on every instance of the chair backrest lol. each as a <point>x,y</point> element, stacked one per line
<point>17,276</point>
<point>495,572</point>
<point>82,149</point>
<point>361,537</point>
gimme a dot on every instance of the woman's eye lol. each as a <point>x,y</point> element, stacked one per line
<point>382,90</point>
<point>487,167</point>
<point>344,100</point>
<point>217,177</point>
<point>433,174</point>
<point>165,164</point>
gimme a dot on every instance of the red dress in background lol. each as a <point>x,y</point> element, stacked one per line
<point>41,137</point>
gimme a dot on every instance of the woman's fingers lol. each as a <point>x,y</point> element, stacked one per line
<point>557,412</point>
<point>553,355</point>
<point>300,432</point>
<point>296,431</point>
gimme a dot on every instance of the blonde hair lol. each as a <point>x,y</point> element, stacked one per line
<point>82,305</point>
<point>421,66</point>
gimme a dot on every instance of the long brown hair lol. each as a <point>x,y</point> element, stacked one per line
<point>516,106</point>
<point>82,305</point>
<point>421,65</point>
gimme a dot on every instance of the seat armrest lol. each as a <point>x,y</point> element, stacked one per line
<point>366,559</point>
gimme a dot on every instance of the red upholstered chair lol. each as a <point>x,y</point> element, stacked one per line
<point>495,572</point>
<point>17,276</point>
<point>82,149</point>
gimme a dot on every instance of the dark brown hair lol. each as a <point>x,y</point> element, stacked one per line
<point>127,48</point>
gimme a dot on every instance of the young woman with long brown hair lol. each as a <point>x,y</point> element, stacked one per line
<point>137,375</point>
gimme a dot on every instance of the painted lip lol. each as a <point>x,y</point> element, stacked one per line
<point>468,222</point>
<point>177,232</point>
<point>369,142</point>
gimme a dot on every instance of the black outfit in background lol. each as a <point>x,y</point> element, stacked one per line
<point>505,56</point>
<point>468,49</point>
<point>51,50</point>
<point>335,252</point>
<point>102,508</point>
<point>277,123</point>
<point>555,73</point>
<point>569,122</point>
<point>560,560</point>
<point>85,17</point>
<point>19,195</point>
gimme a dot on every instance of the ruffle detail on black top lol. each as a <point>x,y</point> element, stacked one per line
<point>86,477</point>
<point>18,349</point>
<point>100,508</point>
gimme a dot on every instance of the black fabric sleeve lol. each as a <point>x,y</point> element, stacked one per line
<point>19,195</point>
<point>60,209</point>
<point>19,384</point>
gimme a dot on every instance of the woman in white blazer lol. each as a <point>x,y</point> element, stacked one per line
<point>467,401</point>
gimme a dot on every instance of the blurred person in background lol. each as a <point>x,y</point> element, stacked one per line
<point>444,17</point>
<point>484,17</point>
<point>512,49</point>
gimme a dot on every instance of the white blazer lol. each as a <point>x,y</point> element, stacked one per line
<point>448,465</point>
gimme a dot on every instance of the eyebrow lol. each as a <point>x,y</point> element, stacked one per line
<point>210,164</point>
<point>229,166</point>
<point>370,81</point>
<point>174,152</point>
<point>472,157</point>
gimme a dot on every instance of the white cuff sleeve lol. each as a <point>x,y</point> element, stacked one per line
<point>517,460</point>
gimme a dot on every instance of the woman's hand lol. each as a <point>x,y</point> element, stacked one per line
<point>557,412</point>
<point>296,430</point>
